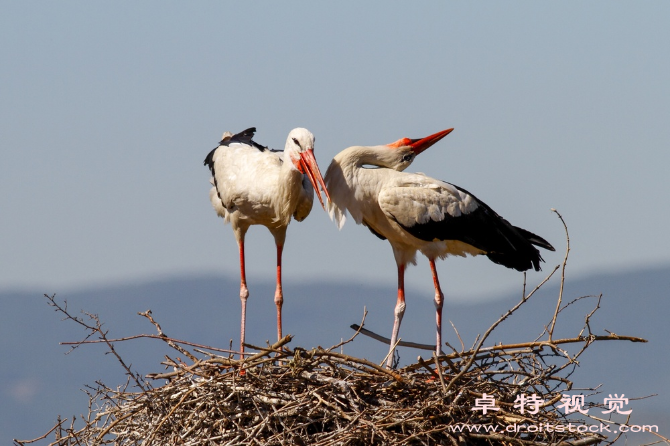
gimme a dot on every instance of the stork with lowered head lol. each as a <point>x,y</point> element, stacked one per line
<point>417,213</point>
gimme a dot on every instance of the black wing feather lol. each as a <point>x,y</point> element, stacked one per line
<point>487,231</point>
<point>244,137</point>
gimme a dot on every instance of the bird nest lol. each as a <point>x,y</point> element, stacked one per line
<point>284,396</point>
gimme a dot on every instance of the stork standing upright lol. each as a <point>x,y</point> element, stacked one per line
<point>254,185</point>
<point>417,213</point>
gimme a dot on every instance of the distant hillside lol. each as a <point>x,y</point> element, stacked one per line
<point>37,381</point>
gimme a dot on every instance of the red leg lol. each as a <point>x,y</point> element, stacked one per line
<point>279,295</point>
<point>244,294</point>
<point>399,312</point>
<point>439,301</point>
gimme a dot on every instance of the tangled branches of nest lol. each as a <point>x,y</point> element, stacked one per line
<point>287,396</point>
<point>324,397</point>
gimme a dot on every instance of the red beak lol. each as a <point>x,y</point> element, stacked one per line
<point>309,167</point>
<point>419,145</point>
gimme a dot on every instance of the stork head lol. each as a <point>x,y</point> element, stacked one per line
<point>300,149</point>
<point>405,149</point>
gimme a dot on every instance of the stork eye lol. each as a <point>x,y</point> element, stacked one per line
<point>295,140</point>
<point>407,157</point>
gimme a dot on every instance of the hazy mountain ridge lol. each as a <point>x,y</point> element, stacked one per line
<point>39,381</point>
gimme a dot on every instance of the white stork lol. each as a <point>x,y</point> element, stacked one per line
<point>254,185</point>
<point>417,213</point>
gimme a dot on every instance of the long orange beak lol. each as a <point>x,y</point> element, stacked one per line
<point>309,166</point>
<point>419,145</point>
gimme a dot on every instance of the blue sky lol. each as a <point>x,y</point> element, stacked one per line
<point>108,110</point>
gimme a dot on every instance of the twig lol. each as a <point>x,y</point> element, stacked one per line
<point>458,335</point>
<point>387,341</point>
<point>155,336</point>
<point>58,424</point>
<point>358,330</point>
<point>92,330</point>
<point>283,341</point>
<point>565,262</point>
<point>376,367</point>
<point>147,314</point>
